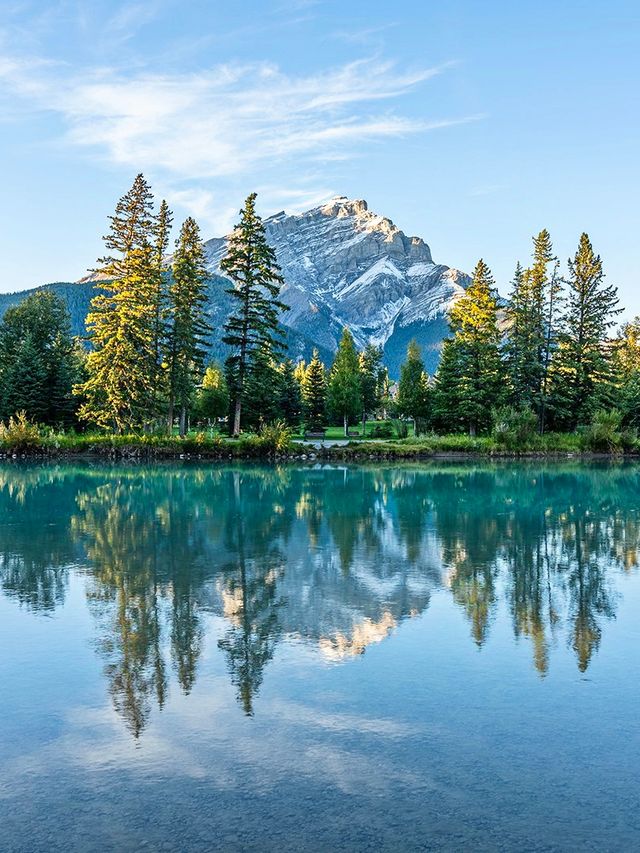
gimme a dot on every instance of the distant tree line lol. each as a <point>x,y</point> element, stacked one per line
<point>546,354</point>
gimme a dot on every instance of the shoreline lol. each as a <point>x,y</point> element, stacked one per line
<point>345,454</point>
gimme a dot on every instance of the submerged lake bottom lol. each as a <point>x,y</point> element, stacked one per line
<point>443,656</point>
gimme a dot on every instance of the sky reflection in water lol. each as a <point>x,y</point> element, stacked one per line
<point>319,658</point>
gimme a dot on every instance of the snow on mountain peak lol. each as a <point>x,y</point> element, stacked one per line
<point>359,270</point>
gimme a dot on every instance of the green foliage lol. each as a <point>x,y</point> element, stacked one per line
<point>19,434</point>
<point>400,428</point>
<point>253,326</point>
<point>606,434</point>
<point>289,394</point>
<point>533,314</point>
<point>515,428</point>
<point>584,359</point>
<point>39,362</point>
<point>372,376</point>
<point>470,379</point>
<point>120,391</point>
<point>276,435</point>
<point>314,393</point>
<point>188,329</point>
<point>344,393</point>
<point>384,430</point>
<point>212,399</point>
<point>414,394</point>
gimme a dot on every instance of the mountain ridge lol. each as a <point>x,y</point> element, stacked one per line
<point>343,265</point>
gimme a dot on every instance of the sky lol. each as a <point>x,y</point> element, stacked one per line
<point>473,125</point>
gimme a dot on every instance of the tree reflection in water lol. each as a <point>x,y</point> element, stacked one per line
<point>333,557</point>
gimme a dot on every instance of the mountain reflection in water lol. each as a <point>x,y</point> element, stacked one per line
<point>333,558</point>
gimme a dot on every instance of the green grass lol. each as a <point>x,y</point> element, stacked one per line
<point>22,438</point>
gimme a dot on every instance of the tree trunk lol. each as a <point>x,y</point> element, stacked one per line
<point>472,430</point>
<point>364,423</point>
<point>183,422</point>
<point>346,427</point>
<point>236,419</point>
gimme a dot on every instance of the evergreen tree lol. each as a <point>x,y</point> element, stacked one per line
<point>533,314</point>
<point>251,265</point>
<point>413,389</point>
<point>263,389</point>
<point>161,234</point>
<point>188,328</point>
<point>628,366</point>
<point>370,380</point>
<point>39,362</point>
<point>314,394</point>
<point>584,362</point>
<point>470,379</point>
<point>120,387</point>
<point>344,392</point>
<point>290,404</point>
<point>212,400</point>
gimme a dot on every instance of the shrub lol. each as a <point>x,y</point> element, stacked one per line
<point>19,434</point>
<point>276,437</point>
<point>383,430</point>
<point>515,428</point>
<point>400,428</point>
<point>605,433</point>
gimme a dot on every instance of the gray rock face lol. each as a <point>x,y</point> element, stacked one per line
<point>343,266</point>
<point>347,266</point>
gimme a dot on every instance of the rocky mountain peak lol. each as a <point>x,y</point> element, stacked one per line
<point>345,265</point>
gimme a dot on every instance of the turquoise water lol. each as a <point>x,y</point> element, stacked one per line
<point>438,657</point>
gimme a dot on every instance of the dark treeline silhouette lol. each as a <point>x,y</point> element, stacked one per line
<point>333,557</point>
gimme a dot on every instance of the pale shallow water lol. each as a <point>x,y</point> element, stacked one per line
<point>435,657</point>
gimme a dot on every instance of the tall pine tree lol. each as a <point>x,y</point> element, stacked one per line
<point>119,390</point>
<point>314,394</point>
<point>470,378</point>
<point>188,328</point>
<point>584,362</point>
<point>414,397</point>
<point>251,265</point>
<point>344,393</point>
<point>370,380</point>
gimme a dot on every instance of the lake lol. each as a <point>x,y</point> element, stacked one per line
<point>416,657</point>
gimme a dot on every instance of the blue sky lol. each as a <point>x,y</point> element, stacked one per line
<point>473,125</point>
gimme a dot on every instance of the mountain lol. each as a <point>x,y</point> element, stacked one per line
<point>343,265</point>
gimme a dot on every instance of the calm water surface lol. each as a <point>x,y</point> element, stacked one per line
<point>325,658</point>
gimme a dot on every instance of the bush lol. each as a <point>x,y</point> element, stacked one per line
<point>515,428</point>
<point>19,434</point>
<point>275,437</point>
<point>605,433</point>
<point>400,428</point>
<point>383,430</point>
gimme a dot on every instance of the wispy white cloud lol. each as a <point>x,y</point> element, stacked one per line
<point>231,122</point>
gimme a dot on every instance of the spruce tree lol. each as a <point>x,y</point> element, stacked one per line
<point>290,402</point>
<point>120,389</point>
<point>39,362</point>
<point>533,315</point>
<point>263,388</point>
<point>414,398</point>
<point>161,232</point>
<point>314,394</point>
<point>470,379</point>
<point>584,360</point>
<point>344,392</point>
<point>251,265</point>
<point>188,328</point>
<point>370,380</point>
